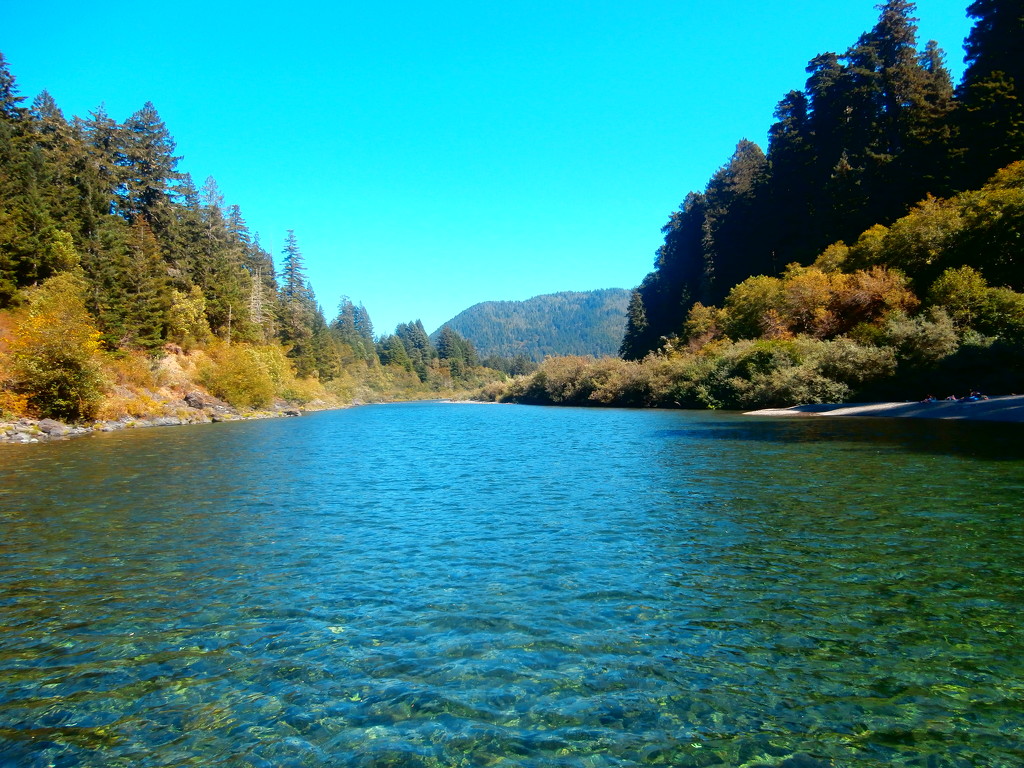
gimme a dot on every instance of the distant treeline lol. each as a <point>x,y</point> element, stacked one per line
<point>569,323</point>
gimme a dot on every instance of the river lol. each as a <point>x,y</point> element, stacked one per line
<point>439,584</point>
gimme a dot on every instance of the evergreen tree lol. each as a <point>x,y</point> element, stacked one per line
<point>25,223</point>
<point>791,162</point>
<point>146,289</point>
<point>459,352</point>
<point>70,182</point>
<point>418,347</point>
<point>391,351</point>
<point>352,326</point>
<point>635,341</point>
<point>991,117</point>
<point>10,102</point>
<point>293,270</point>
<point>150,169</point>
<point>300,316</point>
<point>928,156</point>
<point>731,230</point>
<point>363,324</point>
<point>103,141</point>
<point>130,293</point>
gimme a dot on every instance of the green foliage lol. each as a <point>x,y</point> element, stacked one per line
<point>994,229</point>
<point>515,366</point>
<point>571,323</point>
<point>751,306</point>
<point>921,239</point>
<point>962,292</point>
<point>186,319</point>
<point>1003,315</point>
<point>875,130</point>
<point>245,376</point>
<point>417,346</point>
<point>992,92</point>
<point>633,344</point>
<point>353,327</point>
<point>391,351</point>
<point>743,374</point>
<point>704,324</point>
<point>145,155</point>
<point>459,353</point>
<point>920,341</point>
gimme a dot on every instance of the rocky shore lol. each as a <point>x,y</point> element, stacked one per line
<point>194,408</point>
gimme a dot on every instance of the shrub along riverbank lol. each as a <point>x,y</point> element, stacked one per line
<point>931,305</point>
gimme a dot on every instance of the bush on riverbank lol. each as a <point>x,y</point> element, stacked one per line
<point>744,374</point>
<point>51,360</point>
<point>906,311</point>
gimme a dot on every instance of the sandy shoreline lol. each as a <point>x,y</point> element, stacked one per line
<point>1007,409</point>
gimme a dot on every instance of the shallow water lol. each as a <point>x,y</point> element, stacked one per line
<point>466,585</point>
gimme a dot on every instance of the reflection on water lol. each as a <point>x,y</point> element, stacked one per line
<point>455,585</point>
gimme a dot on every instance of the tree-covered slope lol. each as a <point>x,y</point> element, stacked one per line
<point>875,130</point>
<point>569,323</point>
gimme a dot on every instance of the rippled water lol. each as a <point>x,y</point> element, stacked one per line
<point>467,585</point>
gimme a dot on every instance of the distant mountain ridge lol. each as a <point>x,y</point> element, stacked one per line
<point>567,323</point>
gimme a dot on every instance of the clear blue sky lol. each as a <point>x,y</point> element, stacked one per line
<point>432,155</point>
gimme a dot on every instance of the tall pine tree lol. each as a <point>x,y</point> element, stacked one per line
<point>991,116</point>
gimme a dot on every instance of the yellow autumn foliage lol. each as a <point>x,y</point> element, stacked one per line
<point>52,361</point>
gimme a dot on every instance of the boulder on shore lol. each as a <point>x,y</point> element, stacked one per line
<point>53,427</point>
<point>201,401</point>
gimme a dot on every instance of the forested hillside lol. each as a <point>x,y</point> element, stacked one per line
<point>569,323</point>
<point>111,258</point>
<point>875,251</point>
<point>875,130</point>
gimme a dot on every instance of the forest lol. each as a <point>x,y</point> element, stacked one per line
<point>567,323</point>
<point>112,260</point>
<point>874,251</point>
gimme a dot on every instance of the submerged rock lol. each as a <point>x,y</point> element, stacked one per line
<point>166,421</point>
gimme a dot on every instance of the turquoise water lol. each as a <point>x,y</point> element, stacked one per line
<point>473,585</point>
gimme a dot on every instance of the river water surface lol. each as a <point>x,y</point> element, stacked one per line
<point>478,585</point>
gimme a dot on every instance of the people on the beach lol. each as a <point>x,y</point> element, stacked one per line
<point>973,397</point>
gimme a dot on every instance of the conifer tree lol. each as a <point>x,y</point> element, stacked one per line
<point>10,102</point>
<point>103,140</point>
<point>70,181</point>
<point>147,157</point>
<point>991,118</point>
<point>417,344</point>
<point>352,326</point>
<point>293,270</point>
<point>457,350</point>
<point>391,351</point>
<point>635,342</point>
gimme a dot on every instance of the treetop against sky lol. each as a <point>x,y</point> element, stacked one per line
<point>430,156</point>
